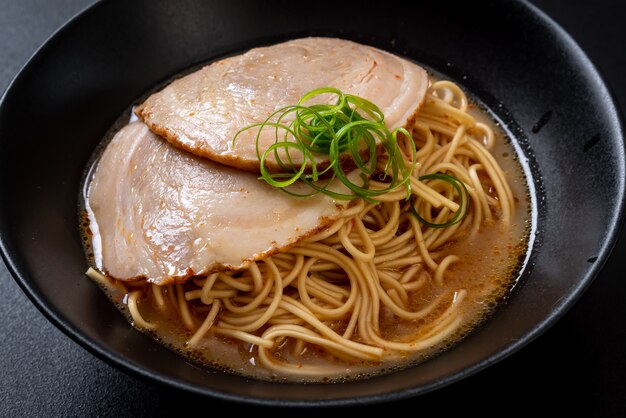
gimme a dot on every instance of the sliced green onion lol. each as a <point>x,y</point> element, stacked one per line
<point>460,188</point>
<point>352,126</point>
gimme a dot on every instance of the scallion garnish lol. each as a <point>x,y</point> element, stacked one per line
<point>461,190</point>
<point>353,126</point>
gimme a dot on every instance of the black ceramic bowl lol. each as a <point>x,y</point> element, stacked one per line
<point>508,54</point>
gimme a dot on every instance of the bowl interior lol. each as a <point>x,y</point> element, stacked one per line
<point>525,68</point>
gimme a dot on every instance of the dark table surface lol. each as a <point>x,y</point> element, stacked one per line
<point>578,367</point>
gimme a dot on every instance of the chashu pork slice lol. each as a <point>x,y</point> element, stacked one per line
<point>161,213</point>
<point>203,111</point>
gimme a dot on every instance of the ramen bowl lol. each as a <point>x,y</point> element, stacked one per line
<point>537,82</point>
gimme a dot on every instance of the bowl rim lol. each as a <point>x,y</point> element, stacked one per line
<point>613,229</point>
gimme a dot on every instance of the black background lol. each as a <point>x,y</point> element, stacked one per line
<point>576,368</point>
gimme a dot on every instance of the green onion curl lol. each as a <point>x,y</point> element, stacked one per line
<point>351,126</point>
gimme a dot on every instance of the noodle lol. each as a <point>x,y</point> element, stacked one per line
<point>332,292</point>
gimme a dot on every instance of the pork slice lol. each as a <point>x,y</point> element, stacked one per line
<point>160,213</point>
<point>203,111</point>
